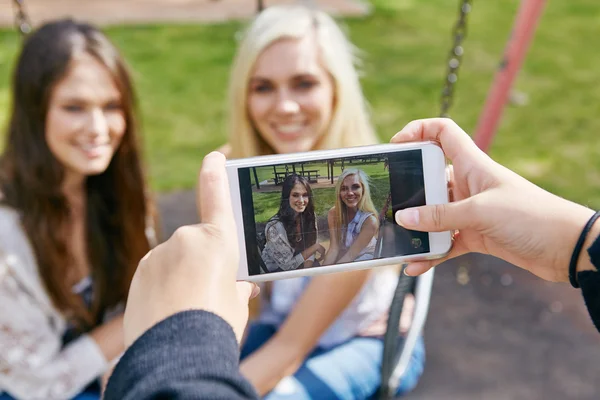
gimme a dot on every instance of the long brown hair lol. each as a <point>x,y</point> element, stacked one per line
<point>287,215</point>
<point>30,176</point>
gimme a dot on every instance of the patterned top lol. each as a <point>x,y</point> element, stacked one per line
<point>278,254</point>
<point>34,361</point>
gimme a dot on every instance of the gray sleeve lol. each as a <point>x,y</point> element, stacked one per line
<point>279,249</point>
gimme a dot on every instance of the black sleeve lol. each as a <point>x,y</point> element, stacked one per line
<point>589,281</point>
<point>190,355</point>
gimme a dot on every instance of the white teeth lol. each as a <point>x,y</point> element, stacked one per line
<point>289,128</point>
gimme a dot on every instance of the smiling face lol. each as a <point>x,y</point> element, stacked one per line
<point>351,191</point>
<point>299,198</point>
<point>85,121</point>
<point>291,95</point>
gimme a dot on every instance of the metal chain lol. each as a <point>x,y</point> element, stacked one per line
<point>454,57</point>
<point>22,22</point>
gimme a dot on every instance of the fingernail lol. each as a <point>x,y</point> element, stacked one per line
<point>408,217</point>
<point>255,291</point>
<point>406,272</point>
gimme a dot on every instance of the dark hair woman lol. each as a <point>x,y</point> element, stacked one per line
<point>75,216</point>
<point>291,234</point>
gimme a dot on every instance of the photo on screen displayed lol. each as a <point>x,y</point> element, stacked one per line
<point>332,211</point>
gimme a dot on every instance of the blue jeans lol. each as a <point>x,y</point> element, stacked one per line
<point>350,370</point>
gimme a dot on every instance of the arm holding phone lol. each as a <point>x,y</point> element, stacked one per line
<point>500,213</point>
<point>486,214</point>
<point>184,318</point>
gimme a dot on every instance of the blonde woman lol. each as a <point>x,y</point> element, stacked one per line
<point>352,221</point>
<point>294,87</point>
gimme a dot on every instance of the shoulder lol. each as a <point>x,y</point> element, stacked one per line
<point>15,247</point>
<point>331,212</point>
<point>369,220</point>
<point>274,223</point>
<point>274,227</point>
<point>10,220</point>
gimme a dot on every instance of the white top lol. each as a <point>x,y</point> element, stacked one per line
<point>369,306</point>
<point>352,232</point>
<point>33,364</point>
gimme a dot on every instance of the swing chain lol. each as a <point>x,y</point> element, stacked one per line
<point>454,57</point>
<point>22,22</point>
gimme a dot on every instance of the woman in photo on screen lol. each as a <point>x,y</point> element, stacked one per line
<point>352,222</point>
<point>294,87</point>
<point>291,234</point>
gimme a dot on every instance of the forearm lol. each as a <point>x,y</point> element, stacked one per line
<point>109,338</point>
<point>296,338</point>
<point>270,364</point>
<point>330,256</point>
<point>366,235</point>
<point>349,256</point>
<point>310,251</point>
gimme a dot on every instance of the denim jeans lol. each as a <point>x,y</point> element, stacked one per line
<point>350,370</point>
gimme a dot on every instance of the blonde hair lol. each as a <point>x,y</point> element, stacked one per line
<point>365,203</point>
<point>350,124</point>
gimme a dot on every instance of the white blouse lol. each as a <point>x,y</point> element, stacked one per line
<point>33,363</point>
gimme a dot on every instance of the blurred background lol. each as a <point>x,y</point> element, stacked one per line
<point>494,331</point>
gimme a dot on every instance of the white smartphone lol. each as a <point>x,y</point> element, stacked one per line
<point>333,210</point>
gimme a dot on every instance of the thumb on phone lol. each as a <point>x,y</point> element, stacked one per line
<point>435,218</point>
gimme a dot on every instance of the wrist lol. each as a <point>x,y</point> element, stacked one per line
<point>109,338</point>
<point>563,226</point>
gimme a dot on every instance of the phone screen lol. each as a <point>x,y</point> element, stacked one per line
<point>330,211</point>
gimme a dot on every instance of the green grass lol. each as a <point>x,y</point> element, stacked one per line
<point>181,73</point>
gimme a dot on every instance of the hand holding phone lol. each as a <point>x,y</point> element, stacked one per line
<point>332,210</point>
